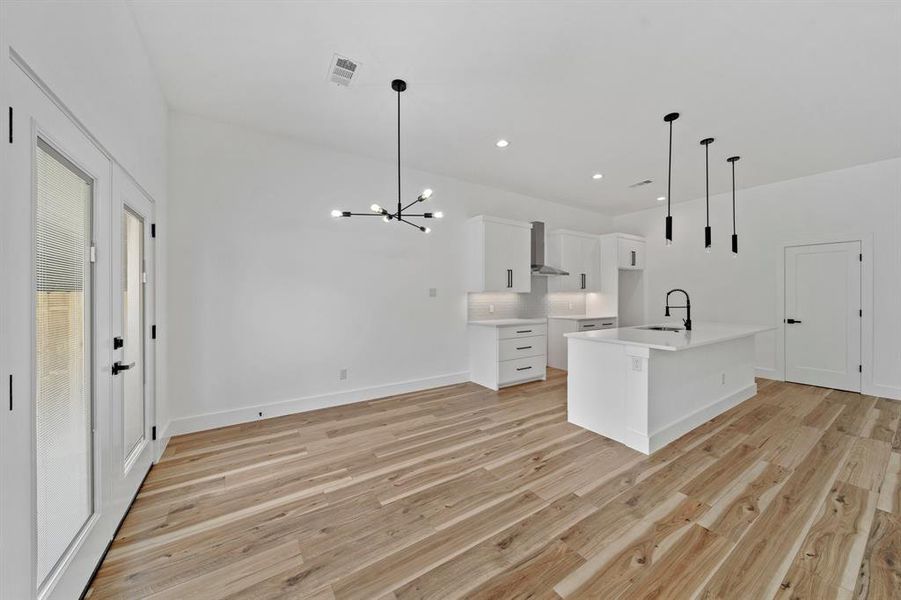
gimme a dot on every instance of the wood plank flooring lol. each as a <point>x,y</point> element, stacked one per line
<point>462,492</point>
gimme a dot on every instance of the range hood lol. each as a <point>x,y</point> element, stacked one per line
<point>538,266</point>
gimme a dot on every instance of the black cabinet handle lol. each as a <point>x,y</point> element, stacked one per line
<point>523,368</point>
<point>583,281</point>
<point>524,331</point>
<point>509,278</point>
<point>588,326</point>
<point>118,366</point>
<point>633,258</point>
<point>523,347</point>
<point>607,324</point>
<point>792,321</point>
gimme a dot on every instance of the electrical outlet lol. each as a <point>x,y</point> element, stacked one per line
<point>342,375</point>
<point>491,308</point>
<point>433,292</point>
<point>636,364</point>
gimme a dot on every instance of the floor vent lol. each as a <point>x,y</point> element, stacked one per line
<point>343,70</point>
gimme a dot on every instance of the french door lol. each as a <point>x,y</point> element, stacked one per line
<point>822,315</point>
<point>72,434</point>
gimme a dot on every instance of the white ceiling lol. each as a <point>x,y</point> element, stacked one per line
<point>577,87</point>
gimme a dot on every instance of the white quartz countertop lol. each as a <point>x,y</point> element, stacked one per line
<point>582,317</point>
<point>506,322</point>
<point>701,334</point>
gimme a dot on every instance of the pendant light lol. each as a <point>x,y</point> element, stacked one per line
<point>398,85</point>
<point>669,176</point>
<point>706,143</point>
<point>733,159</point>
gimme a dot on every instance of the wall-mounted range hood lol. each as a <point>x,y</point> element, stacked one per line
<point>538,266</point>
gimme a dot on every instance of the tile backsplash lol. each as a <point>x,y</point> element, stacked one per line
<point>537,303</point>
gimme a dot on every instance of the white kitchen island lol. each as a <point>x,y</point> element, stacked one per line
<point>645,388</point>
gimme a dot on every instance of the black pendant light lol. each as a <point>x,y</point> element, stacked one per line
<point>398,85</point>
<point>707,237</point>
<point>669,175</point>
<point>733,159</point>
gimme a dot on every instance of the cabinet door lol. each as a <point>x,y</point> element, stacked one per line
<point>631,253</point>
<point>519,258</point>
<point>497,248</point>
<point>591,264</point>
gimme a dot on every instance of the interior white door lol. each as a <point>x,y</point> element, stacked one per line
<point>133,355</point>
<point>56,289</point>
<point>822,315</point>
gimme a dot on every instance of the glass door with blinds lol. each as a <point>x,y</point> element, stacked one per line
<point>55,468</point>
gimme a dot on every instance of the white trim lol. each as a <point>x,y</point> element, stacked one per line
<point>883,391</point>
<point>668,433</point>
<point>768,373</point>
<point>162,440</point>
<point>225,418</point>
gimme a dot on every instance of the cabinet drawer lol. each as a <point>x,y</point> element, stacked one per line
<point>597,324</point>
<point>522,347</point>
<point>517,331</point>
<point>509,371</point>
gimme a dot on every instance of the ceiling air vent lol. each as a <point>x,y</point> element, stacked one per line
<point>641,183</point>
<point>342,70</point>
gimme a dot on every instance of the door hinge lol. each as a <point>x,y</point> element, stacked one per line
<point>93,253</point>
<point>860,368</point>
<point>153,332</point>
<point>153,433</point>
<point>153,230</point>
<point>10,124</point>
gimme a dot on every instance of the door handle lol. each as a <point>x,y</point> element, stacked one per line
<point>792,321</point>
<point>118,366</point>
<point>509,278</point>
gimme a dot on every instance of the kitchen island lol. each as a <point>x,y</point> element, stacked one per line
<point>645,387</point>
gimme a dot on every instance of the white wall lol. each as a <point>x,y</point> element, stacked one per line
<point>90,54</point>
<point>862,201</point>
<point>270,297</point>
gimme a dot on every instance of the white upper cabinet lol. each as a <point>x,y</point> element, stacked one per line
<point>499,255</point>
<point>630,252</point>
<point>579,254</point>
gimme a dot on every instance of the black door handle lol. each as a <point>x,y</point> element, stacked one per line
<point>118,366</point>
<point>792,321</point>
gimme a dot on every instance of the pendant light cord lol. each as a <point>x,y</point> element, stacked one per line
<point>669,172</point>
<point>398,156</point>
<point>707,178</point>
<point>733,197</point>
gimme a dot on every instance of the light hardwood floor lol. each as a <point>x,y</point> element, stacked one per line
<point>464,492</point>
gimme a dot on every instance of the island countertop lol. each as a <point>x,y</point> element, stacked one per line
<point>702,334</point>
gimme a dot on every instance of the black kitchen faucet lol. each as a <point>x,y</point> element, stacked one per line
<point>687,307</point>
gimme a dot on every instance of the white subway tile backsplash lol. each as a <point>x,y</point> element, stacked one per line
<point>537,303</point>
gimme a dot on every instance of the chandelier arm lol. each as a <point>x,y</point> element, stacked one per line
<point>410,204</point>
<point>369,214</point>
<point>419,227</point>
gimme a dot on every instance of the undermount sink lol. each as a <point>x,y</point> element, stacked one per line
<point>662,328</point>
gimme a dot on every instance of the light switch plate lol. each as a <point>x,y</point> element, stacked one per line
<point>636,364</point>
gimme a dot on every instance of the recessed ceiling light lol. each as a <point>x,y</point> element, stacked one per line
<point>661,198</point>
<point>502,143</point>
<point>597,176</point>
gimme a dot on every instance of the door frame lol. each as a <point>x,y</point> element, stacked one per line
<point>866,302</point>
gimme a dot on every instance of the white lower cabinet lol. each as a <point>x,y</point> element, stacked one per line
<point>507,352</point>
<point>558,327</point>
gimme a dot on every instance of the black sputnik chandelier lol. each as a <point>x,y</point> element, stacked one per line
<point>398,85</point>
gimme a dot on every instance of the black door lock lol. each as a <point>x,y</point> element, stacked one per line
<point>118,343</point>
<point>792,321</point>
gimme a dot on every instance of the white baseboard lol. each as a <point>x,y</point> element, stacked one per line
<point>247,414</point>
<point>767,373</point>
<point>883,391</point>
<point>668,433</point>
